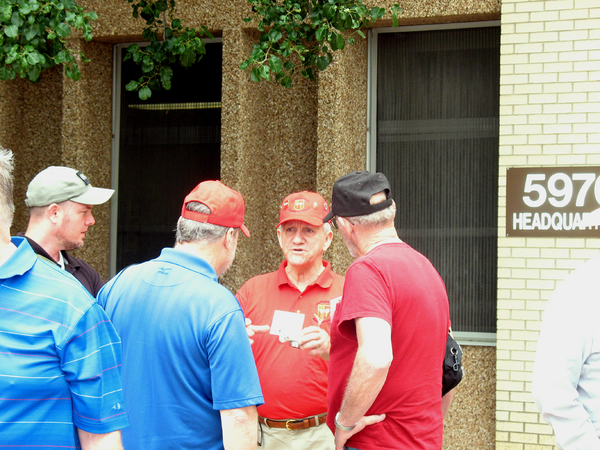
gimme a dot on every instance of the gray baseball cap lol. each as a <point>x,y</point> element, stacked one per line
<point>57,184</point>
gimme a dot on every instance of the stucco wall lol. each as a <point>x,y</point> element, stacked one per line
<point>60,122</point>
<point>272,152</point>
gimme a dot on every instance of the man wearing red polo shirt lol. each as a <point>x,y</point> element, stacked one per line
<point>295,303</point>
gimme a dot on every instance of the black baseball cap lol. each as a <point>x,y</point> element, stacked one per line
<point>352,194</point>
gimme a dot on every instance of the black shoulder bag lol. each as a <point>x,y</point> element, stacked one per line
<point>453,370</point>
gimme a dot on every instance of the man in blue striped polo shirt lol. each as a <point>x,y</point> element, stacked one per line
<point>60,357</point>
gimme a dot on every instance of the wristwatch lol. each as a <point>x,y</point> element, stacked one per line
<point>339,426</point>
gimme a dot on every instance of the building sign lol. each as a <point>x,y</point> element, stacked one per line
<point>551,201</point>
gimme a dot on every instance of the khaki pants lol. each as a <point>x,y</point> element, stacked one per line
<point>314,438</point>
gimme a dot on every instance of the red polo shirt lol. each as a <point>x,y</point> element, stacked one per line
<point>294,384</point>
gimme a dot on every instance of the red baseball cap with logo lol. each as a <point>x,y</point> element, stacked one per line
<point>226,205</point>
<point>306,206</point>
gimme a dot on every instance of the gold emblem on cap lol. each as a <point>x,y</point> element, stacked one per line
<point>299,204</point>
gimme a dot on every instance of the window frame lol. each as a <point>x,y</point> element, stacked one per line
<point>464,338</point>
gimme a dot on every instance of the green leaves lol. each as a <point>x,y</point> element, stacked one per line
<point>295,34</point>
<point>320,34</point>
<point>337,41</point>
<point>275,35</point>
<point>6,73</point>
<point>395,10</point>
<point>275,64</point>
<point>322,62</point>
<point>308,30</point>
<point>255,74</point>
<point>33,37</point>
<point>63,30</point>
<point>73,72</point>
<point>145,93</point>
<point>377,13</point>
<point>169,44</point>
<point>12,31</point>
<point>188,57</point>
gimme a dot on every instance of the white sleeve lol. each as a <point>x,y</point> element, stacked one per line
<point>564,345</point>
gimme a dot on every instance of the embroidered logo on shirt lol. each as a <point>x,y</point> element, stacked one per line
<point>323,312</point>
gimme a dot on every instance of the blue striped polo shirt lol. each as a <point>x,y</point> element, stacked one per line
<point>60,357</point>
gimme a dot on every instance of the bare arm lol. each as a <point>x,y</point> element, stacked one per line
<point>240,428</point>
<point>107,441</point>
<point>446,401</point>
<point>369,373</point>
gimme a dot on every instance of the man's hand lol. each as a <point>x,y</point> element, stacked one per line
<point>341,437</point>
<point>317,341</point>
<point>255,329</point>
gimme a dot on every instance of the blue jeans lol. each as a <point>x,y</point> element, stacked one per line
<point>351,448</point>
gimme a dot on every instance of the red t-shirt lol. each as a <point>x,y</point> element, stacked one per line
<point>294,384</point>
<point>395,283</point>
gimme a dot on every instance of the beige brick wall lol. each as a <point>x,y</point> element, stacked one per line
<point>549,116</point>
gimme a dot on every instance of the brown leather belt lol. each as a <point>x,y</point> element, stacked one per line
<point>295,424</point>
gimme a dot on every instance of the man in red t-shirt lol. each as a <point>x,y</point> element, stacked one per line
<point>294,304</point>
<point>388,334</point>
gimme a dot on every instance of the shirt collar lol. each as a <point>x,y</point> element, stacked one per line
<point>324,280</point>
<point>20,261</point>
<point>189,261</point>
<point>61,260</point>
<point>62,255</point>
<point>37,248</point>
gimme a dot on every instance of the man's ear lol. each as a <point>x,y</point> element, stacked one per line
<point>345,225</point>
<point>328,240</point>
<point>230,238</point>
<point>52,212</point>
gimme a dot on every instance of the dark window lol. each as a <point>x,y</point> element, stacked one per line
<point>167,145</point>
<point>437,141</point>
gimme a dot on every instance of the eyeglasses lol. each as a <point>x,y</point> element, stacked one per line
<point>334,222</point>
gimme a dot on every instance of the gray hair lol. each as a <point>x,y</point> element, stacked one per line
<point>376,219</point>
<point>191,231</point>
<point>7,206</point>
